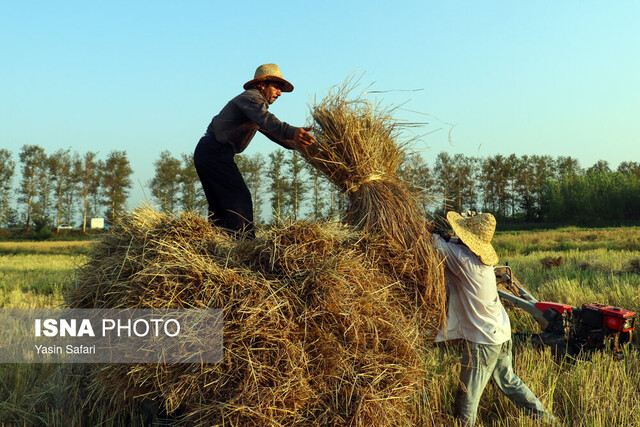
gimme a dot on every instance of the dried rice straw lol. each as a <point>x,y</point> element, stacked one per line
<point>357,149</point>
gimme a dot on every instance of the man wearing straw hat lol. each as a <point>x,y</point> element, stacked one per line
<point>476,316</point>
<point>229,133</point>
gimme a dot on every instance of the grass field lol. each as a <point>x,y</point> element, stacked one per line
<point>33,274</point>
<point>596,266</point>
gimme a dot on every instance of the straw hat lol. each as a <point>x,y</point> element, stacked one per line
<point>269,72</point>
<point>476,232</point>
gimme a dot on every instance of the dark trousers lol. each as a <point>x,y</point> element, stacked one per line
<point>229,198</point>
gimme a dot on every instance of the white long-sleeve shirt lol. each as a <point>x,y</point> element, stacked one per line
<point>475,312</point>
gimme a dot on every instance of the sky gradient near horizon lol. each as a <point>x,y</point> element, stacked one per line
<point>488,77</point>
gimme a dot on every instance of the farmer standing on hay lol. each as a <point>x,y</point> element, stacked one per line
<point>229,133</point>
<point>476,316</point>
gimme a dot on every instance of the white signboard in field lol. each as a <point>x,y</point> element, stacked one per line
<point>97,222</point>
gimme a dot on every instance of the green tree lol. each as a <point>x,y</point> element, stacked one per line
<point>495,175</point>
<point>544,168</point>
<point>165,185</point>
<point>97,189</point>
<point>601,166</point>
<point>445,175</point>
<point>116,180</point>
<point>463,187</point>
<point>277,184</point>
<point>629,168</point>
<point>60,168</point>
<point>296,188</point>
<point>594,198</point>
<point>568,166</point>
<point>337,203</point>
<point>252,169</point>
<point>318,185</point>
<point>191,193</point>
<point>525,187</point>
<point>73,188</point>
<point>45,190</point>
<point>7,166</point>
<point>417,173</point>
<point>87,173</point>
<point>34,163</point>
<point>511,172</point>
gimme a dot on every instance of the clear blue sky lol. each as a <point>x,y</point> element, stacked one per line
<point>548,77</point>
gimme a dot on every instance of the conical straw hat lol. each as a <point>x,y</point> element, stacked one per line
<point>476,232</point>
<point>269,72</point>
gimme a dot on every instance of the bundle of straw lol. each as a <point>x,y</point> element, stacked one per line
<point>314,332</point>
<point>357,149</point>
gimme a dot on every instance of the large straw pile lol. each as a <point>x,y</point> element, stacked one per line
<point>357,149</point>
<point>323,323</point>
<point>314,332</point>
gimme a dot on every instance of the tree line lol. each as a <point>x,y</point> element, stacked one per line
<point>538,188</point>
<point>54,189</point>
<point>69,188</point>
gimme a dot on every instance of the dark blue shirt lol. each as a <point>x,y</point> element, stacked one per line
<point>245,114</point>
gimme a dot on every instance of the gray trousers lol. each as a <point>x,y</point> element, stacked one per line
<point>480,362</point>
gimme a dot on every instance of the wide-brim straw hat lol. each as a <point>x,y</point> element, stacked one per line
<point>476,232</point>
<point>269,73</point>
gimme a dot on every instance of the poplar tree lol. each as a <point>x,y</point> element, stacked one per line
<point>45,190</point>
<point>252,169</point>
<point>544,169</point>
<point>463,187</point>
<point>444,175</point>
<point>97,189</point>
<point>60,172</point>
<point>416,172</point>
<point>7,166</point>
<point>601,166</point>
<point>87,174</point>
<point>338,203</point>
<point>191,193</point>
<point>629,168</point>
<point>567,166</point>
<point>277,184</point>
<point>72,189</point>
<point>116,180</point>
<point>318,185</point>
<point>165,185</point>
<point>495,178</point>
<point>34,162</point>
<point>511,170</point>
<point>525,183</point>
<point>296,188</point>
